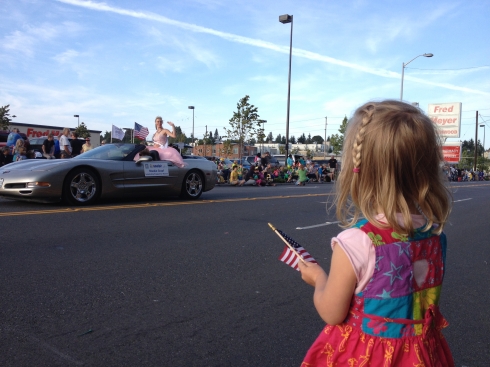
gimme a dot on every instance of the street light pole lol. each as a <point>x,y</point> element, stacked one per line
<point>263,133</point>
<point>483,139</point>
<point>77,116</point>
<point>325,141</point>
<point>192,108</point>
<point>404,65</point>
<point>284,19</point>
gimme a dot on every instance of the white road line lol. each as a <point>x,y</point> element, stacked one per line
<point>318,225</point>
<point>456,201</point>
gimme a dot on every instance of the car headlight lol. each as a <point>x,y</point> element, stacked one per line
<point>38,184</point>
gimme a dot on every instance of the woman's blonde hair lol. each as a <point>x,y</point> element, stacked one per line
<point>19,143</point>
<point>391,163</point>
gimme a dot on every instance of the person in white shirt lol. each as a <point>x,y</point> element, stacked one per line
<point>65,146</point>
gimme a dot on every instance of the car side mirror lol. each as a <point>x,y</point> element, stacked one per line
<point>145,158</point>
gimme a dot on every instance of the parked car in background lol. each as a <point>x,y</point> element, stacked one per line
<point>4,135</point>
<point>37,143</point>
<point>272,160</point>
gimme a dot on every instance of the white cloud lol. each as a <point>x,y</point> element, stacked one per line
<point>66,56</point>
<point>262,44</point>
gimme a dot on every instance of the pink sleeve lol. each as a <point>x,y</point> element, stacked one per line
<point>360,251</point>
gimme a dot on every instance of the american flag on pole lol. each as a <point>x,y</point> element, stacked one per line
<point>140,131</point>
<point>289,257</point>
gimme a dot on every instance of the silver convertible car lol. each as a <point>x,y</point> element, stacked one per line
<point>108,171</point>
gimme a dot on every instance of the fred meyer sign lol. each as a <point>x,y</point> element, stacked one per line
<point>447,118</point>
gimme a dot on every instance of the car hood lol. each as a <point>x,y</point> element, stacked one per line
<point>35,165</point>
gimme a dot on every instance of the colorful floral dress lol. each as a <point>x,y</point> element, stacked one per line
<point>395,320</point>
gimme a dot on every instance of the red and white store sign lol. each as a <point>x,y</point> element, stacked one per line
<point>447,118</point>
<point>39,133</point>
<point>451,152</point>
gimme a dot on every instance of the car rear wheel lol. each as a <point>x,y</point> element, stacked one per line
<point>192,186</point>
<point>81,187</point>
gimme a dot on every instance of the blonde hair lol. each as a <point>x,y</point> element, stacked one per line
<point>19,143</point>
<point>391,164</point>
<point>156,118</point>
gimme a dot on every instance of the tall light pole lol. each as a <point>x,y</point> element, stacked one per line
<point>325,141</point>
<point>263,133</point>
<point>284,19</point>
<point>404,65</point>
<point>192,108</point>
<point>483,139</point>
<point>77,116</point>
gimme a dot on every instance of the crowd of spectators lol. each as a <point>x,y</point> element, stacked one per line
<point>52,147</point>
<point>455,173</point>
<point>262,173</point>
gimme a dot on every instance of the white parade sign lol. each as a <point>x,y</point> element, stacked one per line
<point>156,169</point>
<point>447,118</point>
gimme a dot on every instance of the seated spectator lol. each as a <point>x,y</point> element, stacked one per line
<point>234,181</point>
<point>48,147</point>
<point>5,156</point>
<point>312,172</point>
<point>87,146</point>
<point>19,145</point>
<point>21,154</point>
<point>249,177</point>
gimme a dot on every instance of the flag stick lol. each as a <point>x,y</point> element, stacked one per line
<point>287,243</point>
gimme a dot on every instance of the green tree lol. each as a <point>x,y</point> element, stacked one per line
<point>180,137</point>
<point>82,131</point>
<point>308,139</point>
<point>4,117</point>
<point>292,139</point>
<point>278,139</point>
<point>337,140</point>
<point>227,148</point>
<point>216,135</point>
<point>106,137</point>
<point>270,137</point>
<point>302,139</point>
<point>317,139</point>
<point>244,123</point>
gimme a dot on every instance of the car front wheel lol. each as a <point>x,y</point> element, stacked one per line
<point>81,187</point>
<point>192,186</point>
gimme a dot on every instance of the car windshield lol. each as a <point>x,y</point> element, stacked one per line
<point>108,152</point>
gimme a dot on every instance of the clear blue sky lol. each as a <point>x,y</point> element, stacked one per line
<point>121,61</point>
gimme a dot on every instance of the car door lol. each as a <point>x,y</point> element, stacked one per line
<point>150,178</point>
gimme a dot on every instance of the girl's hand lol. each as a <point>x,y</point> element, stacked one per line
<point>312,273</point>
<point>170,123</point>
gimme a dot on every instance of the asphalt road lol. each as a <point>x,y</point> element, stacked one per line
<point>173,283</point>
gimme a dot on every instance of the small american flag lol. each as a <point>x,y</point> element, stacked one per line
<point>140,131</point>
<point>289,257</point>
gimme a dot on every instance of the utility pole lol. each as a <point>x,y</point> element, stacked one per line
<point>476,142</point>
<point>325,141</point>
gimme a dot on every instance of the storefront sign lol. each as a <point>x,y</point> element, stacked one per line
<point>452,152</point>
<point>447,118</point>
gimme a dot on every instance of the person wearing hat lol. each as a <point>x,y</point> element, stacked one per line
<point>87,146</point>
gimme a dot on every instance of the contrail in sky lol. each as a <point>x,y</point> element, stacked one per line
<point>259,43</point>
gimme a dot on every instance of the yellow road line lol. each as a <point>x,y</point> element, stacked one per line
<point>149,205</point>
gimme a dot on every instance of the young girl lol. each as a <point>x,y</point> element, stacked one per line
<point>380,300</point>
